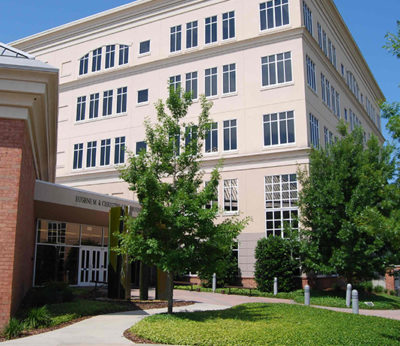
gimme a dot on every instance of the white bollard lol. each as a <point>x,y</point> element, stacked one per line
<point>275,286</point>
<point>348,295</point>
<point>307,295</point>
<point>354,301</point>
<point>214,282</point>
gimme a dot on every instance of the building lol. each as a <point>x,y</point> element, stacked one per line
<point>281,73</point>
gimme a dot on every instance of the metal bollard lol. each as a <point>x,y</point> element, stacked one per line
<point>348,295</point>
<point>307,295</point>
<point>354,301</point>
<point>214,282</point>
<point>275,286</point>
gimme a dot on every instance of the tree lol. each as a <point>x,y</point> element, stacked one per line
<point>173,230</point>
<point>348,208</point>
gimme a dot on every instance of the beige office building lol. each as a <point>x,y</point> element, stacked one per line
<point>280,73</point>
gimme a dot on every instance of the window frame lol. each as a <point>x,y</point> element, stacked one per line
<point>231,200</point>
<point>122,100</point>
<point>139,94</point>
<point>192,34</point>
<point>105,152</point>
<point>175,39</point>
<point>228,26</point>
<point>78,156</point>
<point>119,150</point>
<point>211,28</point>
<point>229,79</point>
<point>264,17</point>
<point>80,108</point>
<point>84,65</point>
<point>109,56</point>
<point>289,120</point>
<point>270,63</point>
<point>211,81</point>
<point>123,54</point>
<point>314,137</point>
<point>96,59</point>
<point>232,133</point>
<point>191,83</point>
<point>210,134</point>
<point>147,51</point>
<point>108,96</point>
<point>91,153</point>
<point>94,104</point>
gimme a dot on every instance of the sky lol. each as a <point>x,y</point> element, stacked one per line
<point>368,21</point>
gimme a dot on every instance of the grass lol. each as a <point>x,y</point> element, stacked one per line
<point>261,324</point>
<point>331,298</point>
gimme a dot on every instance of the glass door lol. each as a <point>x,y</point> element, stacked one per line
<point>92,266</point>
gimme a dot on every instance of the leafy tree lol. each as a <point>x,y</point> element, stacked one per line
<point>349,210</point>
<point>173,230</point>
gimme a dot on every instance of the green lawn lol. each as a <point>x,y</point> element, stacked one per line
<point>261,324</point>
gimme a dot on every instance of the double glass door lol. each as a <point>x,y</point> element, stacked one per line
<point>92,265</point>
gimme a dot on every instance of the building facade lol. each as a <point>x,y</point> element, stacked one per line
<point>280,73</point>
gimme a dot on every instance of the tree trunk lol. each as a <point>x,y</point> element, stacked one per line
<point>170,291</point>
<point>143,281</point>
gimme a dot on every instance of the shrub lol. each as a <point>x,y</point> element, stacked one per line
<point>378,289</point>
<point>13,329</point>
<point>365,286</point>
<point>392,292</point>
<point>275,257</point>
<point>38,317</point>
<point>51,293</point>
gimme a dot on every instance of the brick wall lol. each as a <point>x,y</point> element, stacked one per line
<point>17,182</point>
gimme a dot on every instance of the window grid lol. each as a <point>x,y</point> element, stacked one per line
<point>122,94</point>
<point>311,79</point>
<point>119,150</point>
<point>211,88</point>
<point>279,128</point>
<point>191,84</point>
<point>230,135</point>
<point>229,78</point>
<point>211,29</point>
<point>307,16</point>
<point>78,156</point>
<point>105,151</point>
<point>176,38</point>
<point>231,196</point>
<point>107,102</point>
<point>274,13</point>
<point>91,154</point>
<point>191,34</point>
<point>81,108</point>
<point>94,106</point>
<point>84,64</point>
<point>228,25</point>
<point>96,60</point>
<point>110,56</point>
<point>175,82</point>
<point>123,54</point>
<point>56,232</point>
<point>276,69</point>
<point>314,131</point>
<point>212,139</point>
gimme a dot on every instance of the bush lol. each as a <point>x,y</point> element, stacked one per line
<point>51,293</point>
<point>365,286</point>
<point>378,289</point>
<point>275,257</point>
<point>13,329</point>
<point>38,317</point>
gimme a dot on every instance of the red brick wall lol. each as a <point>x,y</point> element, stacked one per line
<point>17,182</point>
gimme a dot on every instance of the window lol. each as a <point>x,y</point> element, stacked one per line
<point>78,156</point>
<point>176,38</point>
<point>323,88</point>
<point>81,108</point>
<point>175,142</point>
<point>94,106</point>
<point>328,137</point>
<point>307,17</point>
<point>228,25</point>
<point>105,151</point>
<point>110,56</point>
<point>230,135</point>
<point>191,34</point>
<point>190,134</point>
<point>324,47</point>
<point>334,55</point>
<point>333,100</point>
<point>175,82</point>
<point>119,150</point>
<point>212,138</point>
<point>327,92</point>
<point>144,47</point>
<point>211,30</point>
<point>96,60</point>
<point>229,78</point>
<point>314,131</point>
<point>191,84</point>
<point>279,128</point>
<point>91,154</point>
<point>342,70</point>
<point>276,69</point>
<point>329,49</point>
<point>121,99</point>
<point>345,114</point>
<point>56,232</point>
<point>274,13</point>
<point>143,96</point>
<point>140,146</point>
<point>319,28</point>
<point>231,202</point>
<point>211,81</point>
<point>83,64</point>
<point>213,202</point>
<point>311,79</point>
<point>280,204</point>
<point>123,54</point>
<point>107,102</point>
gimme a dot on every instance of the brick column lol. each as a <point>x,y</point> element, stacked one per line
<point>17,229</point>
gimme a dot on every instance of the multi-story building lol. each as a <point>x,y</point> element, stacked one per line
<point>281,73</point>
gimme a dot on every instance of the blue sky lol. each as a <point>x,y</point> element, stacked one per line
<point>368,21</point>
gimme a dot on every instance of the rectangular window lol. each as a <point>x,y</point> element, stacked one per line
<point>345,114</point>
<point>281,209</point>
<point>307,17</point>
<point>123,54</point>
<point>333,100</point>
<point>319,28</point>
<point>342,70</point>
<point>229,78</point>
<point>190,134</point>
<point>176,38</point>
<point>191,84</point>
<point>83,64</point>
<point>78,156</point>
<point>211,29</point>
<point>276,69</point>
<point>231,200</point>
<point>334,55</point>
<point>228,25</point>
<point>230,135</point>
<point>329,49</point>
<point>144,47</point>
<point>96,60</point>
<point>175,82</point>
<point>337,105</point>
<point>119,150</point>
<point>141,146</point>
<point>81,108</point>
<point>107,102</point>
<point>122,95</point>
<point>323,88</point>
<point>105,151</point>
<point>279,128</point>
<point>211,82</point>
<point>311,79</point>
<point>324,46</point>
<point>110,56</point>
<point>314,131</point>
<point>327,92</point>
<point>143,96</point>
<point>94,106</point>
<point>91,154</point>
<point>328,137</point>
<point>191,34</point>
<point>274,13</point>
<point>212,138</point>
